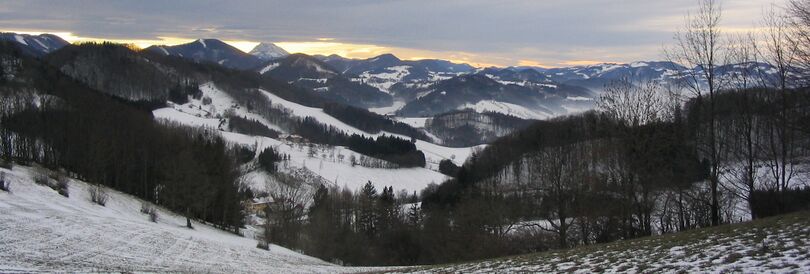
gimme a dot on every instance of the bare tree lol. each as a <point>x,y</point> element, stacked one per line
<point>799,11</point>
<point>701,48</point>
<point>782,52</point>
<point>636,104</point>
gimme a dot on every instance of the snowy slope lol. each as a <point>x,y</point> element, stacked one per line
<point>268,51</point>
<point>508,109</point>
<point>433,153</point>
<point>771,245</point>
<point>43,231</point>
<point>332,164</point>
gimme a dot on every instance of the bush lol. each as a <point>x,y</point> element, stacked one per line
<point>263,245</point>
<point>61,186</point>
<point>149,210</point>
<point>447,167</point>
<point>4,185</point>
<point>98,195</point>
<point>42,179</point>
<point>766,203</point>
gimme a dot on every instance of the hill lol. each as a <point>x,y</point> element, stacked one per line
<point>777,244</point>
<point>43,231</point>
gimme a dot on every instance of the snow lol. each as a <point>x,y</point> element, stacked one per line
<point>176,115</point>
<point>396,105</point>
<point>340,172</point>
<point>164,50</point>
<point>414,122</point>
<point>41,44</point>
<point>778,247</point>
<point>638,64</point>
<point>324,163</point>
<point>506,108</point>
<point>433,153</point>
<point>267,51</point>
<point>43,231</point>
<point>20,39</point>
<point>202,41</point>
<point>384,80</point>
<point>578,98</point>
<point>269,67</point>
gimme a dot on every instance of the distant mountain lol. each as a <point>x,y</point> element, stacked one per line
<point>211,50</point>
<point>595,77</point>
<point>268,51</point>
<point>308,72</point>
<point>387,70</point>
<point>486,94</point>
<point>35,45</point>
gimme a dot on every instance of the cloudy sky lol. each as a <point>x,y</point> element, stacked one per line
<point>483,32</point>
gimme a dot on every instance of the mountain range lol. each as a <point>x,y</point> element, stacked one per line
<point>423,88</point>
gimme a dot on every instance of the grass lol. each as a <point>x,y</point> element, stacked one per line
<point>768,244</point>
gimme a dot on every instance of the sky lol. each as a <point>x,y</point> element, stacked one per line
<point>549,33</point>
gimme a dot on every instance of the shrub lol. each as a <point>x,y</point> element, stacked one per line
<point>766,203</point>
<point>263,245</point>
<point>61,186</point>
<point>447,167</point>
<point>98,195</point>
<point>42,179</point>
<point>4,184</point>
<point>149,210</point>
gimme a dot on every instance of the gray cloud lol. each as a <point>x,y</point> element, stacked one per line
<point>543,30</point>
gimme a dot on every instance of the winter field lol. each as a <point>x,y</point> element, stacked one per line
<point>42,231</point>
<point>324,162</point>
<point>772,245</point>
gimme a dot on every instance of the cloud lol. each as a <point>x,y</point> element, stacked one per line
<point>498,32</point>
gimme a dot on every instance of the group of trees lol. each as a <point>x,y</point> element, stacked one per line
<point>465,128</point>
<point>371,122</point>
<point>389,148</point>
<point>108,140</point>
<point>356,228</point>
<point>393,149</point>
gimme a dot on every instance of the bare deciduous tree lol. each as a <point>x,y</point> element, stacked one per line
<point>701,48</point>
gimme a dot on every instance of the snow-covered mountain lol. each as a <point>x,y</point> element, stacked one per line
<point>387,70</point>
<point>308,72</point>
<point>210,50</point>
<point>485,93</point>
<point>268,51</point>
<point>35,45</point>
<point>526,94</point>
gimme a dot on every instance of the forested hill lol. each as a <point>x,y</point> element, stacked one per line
<point>601,177</point>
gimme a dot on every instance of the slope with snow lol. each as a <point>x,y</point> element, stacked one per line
<point>268,51</point>
<point>772,245</point>
<point>507,108</point>
<point>45,232</point>
<point>332,164</point>
<point>433,153</point>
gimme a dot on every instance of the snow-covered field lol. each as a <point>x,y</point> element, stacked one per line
<point>509,109</point>
<point>330,163</point>
<point>41,231</point>
<point>773,245</point>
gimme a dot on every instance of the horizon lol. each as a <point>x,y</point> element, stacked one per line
<point>539,34</point>
<point>246,47</point>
